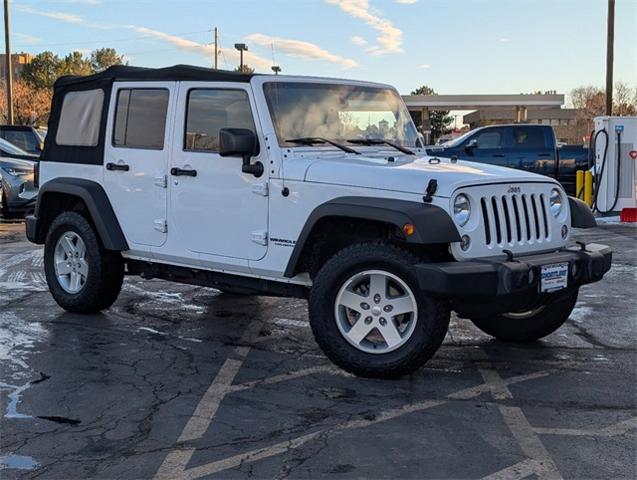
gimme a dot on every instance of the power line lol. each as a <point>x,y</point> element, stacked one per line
<point>144,36</point>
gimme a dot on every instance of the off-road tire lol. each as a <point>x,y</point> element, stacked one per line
<point>106,268</point>
<point>431,326</point>
<point>552,316</point>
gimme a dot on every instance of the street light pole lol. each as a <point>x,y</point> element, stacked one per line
<point>276,69</point>
<point>609,57</point>
<point>242,47</point>
<point>9,66</point>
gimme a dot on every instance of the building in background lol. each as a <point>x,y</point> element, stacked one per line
<point>19,60</point>
<point>544,108</point>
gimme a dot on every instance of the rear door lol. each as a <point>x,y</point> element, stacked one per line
<point>136,156</point>
<point>534,150</point>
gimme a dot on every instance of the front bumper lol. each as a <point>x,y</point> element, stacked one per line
<point>502,277</point>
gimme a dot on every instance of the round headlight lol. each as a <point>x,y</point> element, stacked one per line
<point>555,201</point>
<point>461,209</point>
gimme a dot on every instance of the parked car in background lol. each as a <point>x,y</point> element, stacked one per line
<point>532,148</point>
<point>30,139</point>
<point>9,150</point>
<point>17,191</point>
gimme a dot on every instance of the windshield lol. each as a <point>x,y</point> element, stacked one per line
<point>338,113</point>
<point>11,149</point>
<point>457,141</point>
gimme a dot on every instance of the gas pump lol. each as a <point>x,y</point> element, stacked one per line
<point>615,158</point>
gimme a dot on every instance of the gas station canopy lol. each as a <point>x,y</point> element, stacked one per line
<point>474,102</point>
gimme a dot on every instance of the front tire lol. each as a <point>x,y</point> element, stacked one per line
<point>368,315</point>
<point>83,277</point>
<point>532,324</point>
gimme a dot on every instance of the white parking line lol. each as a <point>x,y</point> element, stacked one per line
<point>621,428</point>
<point>514,417</point>
<point>175,464</point>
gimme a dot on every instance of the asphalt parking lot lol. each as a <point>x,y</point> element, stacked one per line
<point>177,381</point>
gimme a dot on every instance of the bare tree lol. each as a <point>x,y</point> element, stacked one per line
<point>625,101</point>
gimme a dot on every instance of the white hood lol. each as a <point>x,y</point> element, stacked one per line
<point>406,174</point>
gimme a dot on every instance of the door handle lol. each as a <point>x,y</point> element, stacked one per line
<point>178,172</point>
<point>117,166</point>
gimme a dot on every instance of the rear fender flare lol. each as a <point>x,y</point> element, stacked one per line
<point>96,201</point>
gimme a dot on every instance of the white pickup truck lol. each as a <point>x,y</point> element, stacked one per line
<point>305,187</point>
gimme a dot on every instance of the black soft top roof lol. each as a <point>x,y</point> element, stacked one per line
<point>174,73</point>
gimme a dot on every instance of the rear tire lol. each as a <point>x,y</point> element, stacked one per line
<point>370,339</point>
<point>81,282</point>
<point>532,325</point>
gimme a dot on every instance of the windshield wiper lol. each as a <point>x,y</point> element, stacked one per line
<point>378,141</point>
<point>319,140</point>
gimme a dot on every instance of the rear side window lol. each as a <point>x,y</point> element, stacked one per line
<point>140,118</point>
<point>528,137</point>
<point>80,119</point>
<point>209,111</point>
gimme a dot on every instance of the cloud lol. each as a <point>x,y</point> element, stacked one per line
<point>62,16</point>
<point>230,54</point>
<point>84,2</point>
<point>26,39</point>
<point>300,49</point>
<point>359,41</point>
<point>504,40</point>
<point>406,2</point>
<point>390,38</point>
<point>424,66</point>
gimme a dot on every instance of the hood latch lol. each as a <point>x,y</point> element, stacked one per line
<point>432,186</point>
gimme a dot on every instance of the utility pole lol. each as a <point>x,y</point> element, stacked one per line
<point>9,66</point>
<point>609,57</point>
<point>216,49</point>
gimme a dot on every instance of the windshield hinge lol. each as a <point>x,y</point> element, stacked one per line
<point>260,189</point>
<point>432,186</point>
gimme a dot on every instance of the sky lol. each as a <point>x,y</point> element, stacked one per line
<point>454,46</point>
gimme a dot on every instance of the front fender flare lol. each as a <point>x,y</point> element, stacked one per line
<point>581,214</point>
<point>432,224</point>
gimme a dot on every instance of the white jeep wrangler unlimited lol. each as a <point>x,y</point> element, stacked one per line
<point>302,187</point>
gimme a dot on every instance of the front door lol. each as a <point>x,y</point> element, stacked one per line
<point>490,147</point>
<point>136,155</point>
<point>215,208</point>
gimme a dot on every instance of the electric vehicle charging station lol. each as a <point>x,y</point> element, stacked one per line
<point>615,149</point>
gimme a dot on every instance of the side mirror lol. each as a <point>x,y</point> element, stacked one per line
<point>240,142</point>
<point>471,146</point>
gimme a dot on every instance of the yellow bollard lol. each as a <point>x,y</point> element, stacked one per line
<point>588,188</point>
<point>579,184</point>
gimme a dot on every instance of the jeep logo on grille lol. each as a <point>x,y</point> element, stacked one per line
<point>513,189</point>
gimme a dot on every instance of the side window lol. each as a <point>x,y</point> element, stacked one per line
<point>208,111</point>
<point>21,139</point>
<point>140,118</point>
<point>526,137</point>
<point>490,139</point>
<point>80,119</point>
